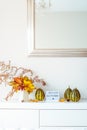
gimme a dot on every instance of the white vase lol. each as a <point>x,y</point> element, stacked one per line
<point>23,96</point>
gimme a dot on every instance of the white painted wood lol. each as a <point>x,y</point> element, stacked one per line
<point>43,115</point>
<point>67,128</point>
<point>63,118</point>
<point>82,104</point>
<point>15,129</point>
<point>64,128</point>
<point>10,118</point>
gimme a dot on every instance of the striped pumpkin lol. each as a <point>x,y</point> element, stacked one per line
<point>75,95</point>
<point>67,94</point>
<point>39,95</point>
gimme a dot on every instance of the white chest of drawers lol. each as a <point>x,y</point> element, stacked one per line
<point>43,115</point>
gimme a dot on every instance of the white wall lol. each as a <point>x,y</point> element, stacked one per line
<point>58,72</point>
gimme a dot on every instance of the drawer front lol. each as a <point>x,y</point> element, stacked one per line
<point>63,118</point>
<point>19,118</point>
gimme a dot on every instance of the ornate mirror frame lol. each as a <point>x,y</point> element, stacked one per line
<point>34,52</point>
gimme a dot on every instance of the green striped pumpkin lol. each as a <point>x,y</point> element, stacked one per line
<point>75,95</point>
<point>39,94</point>
<point>67,94</point>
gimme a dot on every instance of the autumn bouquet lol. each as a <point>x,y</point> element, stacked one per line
<point>19,78</point>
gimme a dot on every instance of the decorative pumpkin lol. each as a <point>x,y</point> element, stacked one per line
<point>67,94</point>
<point>75,95</point>
<point>39,95</point>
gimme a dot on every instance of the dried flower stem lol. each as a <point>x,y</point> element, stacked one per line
<point>10,94</point>
<point>8,72</point>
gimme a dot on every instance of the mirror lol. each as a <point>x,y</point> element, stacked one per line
<point>57,28</point>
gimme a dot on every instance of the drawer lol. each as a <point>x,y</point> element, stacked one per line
<point>63,118</point>
<point>19,118</point>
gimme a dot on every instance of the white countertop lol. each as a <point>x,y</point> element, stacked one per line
<point>82,104</point>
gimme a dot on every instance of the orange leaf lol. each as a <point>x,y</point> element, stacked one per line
<point>18,80</point>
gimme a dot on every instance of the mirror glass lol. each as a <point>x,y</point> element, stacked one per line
<point>60,24</point>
